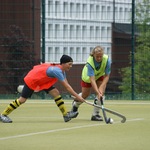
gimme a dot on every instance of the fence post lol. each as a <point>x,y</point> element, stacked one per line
<point>133,51</point>
<point>43,38</point>
<point>43,31</point>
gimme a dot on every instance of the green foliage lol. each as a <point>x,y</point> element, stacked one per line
<point>143,12</point>
<point>142,54</point>
<point>18,58</point>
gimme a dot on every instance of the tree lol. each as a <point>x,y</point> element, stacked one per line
<point>18,58</point>
<point>142,54</point>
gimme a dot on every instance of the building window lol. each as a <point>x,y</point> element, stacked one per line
<point>126,14</point>
<point>103,33</point>
<point>57,9</point>
<point>108,33</point>
<point>91,32</point>
<point>57,53</point>
<point>91,11</point>
<point>84,33</point>
<point>57,31</point>
<point>103,12</point>
<point>72,52</point>
<point>121,14</point>
<point>65,31</point>
<point>72,30</point>
<point>65,9</point>
<point>50,54</point>
<point>78,10</point>
<point>65,50</point>
<point>50,31</point>
<point>109,13</point>
<point>109,53</point>
<point>84,9</point>
<point>116,13</point>
<point>78,54</point>
<point>97,33</point>
<point>78,30</point>
<point>50,8</point>
<point>84,54</point>
<point>129,14</point>
<point>72,10</point>
<point>97,12</point>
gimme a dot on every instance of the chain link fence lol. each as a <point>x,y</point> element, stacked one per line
<point>36,31</point>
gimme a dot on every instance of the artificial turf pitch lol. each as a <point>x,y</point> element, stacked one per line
<point>38,124</point>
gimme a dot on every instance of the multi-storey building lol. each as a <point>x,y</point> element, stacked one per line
<point>75,27</point>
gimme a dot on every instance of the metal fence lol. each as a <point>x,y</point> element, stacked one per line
<point>36,31</point>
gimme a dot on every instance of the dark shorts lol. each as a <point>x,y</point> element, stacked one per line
<point>88,85</point>
<point>27,92</point>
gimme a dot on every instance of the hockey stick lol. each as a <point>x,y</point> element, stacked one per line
<point>103,110</point>
<point>107,110</point>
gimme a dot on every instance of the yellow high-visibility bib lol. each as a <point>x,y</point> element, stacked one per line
<point>98,73</point>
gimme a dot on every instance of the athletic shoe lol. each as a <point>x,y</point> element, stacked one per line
<point>5,119</point>
<point>73,114</point>
<point>70,115</point>
<point>96,118</point>
<point>74,110</point>
<point>66,118</point>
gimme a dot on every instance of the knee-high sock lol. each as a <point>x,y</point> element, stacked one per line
<point>76,104</point>
<point>95,109</point>
<point>60,103</point>
<point>97,102</point>
<point>13,105</point>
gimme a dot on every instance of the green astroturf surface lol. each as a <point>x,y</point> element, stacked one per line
<point>39,125</point>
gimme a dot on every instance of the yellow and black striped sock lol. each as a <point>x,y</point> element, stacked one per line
<point>13,105</point>
<point>60,104</point>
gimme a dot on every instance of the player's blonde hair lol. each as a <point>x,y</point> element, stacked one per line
<point>97,49</point>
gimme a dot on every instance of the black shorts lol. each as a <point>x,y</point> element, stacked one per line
<point>27,92</point>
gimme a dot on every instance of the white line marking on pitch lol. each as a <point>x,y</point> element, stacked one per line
<point>62,129</point>
<point>106,102</point>
<point>137,119</point>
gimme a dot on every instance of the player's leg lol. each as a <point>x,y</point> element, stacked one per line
<point>76,104</point>
<point>85,93</point>
<point>60,103</point>
<point>26,92</point>
<point>96,111</point>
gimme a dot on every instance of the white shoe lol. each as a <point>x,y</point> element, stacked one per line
<point>70,115</point>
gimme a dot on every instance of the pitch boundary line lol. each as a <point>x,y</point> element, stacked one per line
<point>62,129</point>
<point>106,102</point>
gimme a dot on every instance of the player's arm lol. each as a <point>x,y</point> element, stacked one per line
<point>57,73</point>
<point>104,83</point>
<point>102,87</point>
<point>94,86</point>
<point>70,90</point>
